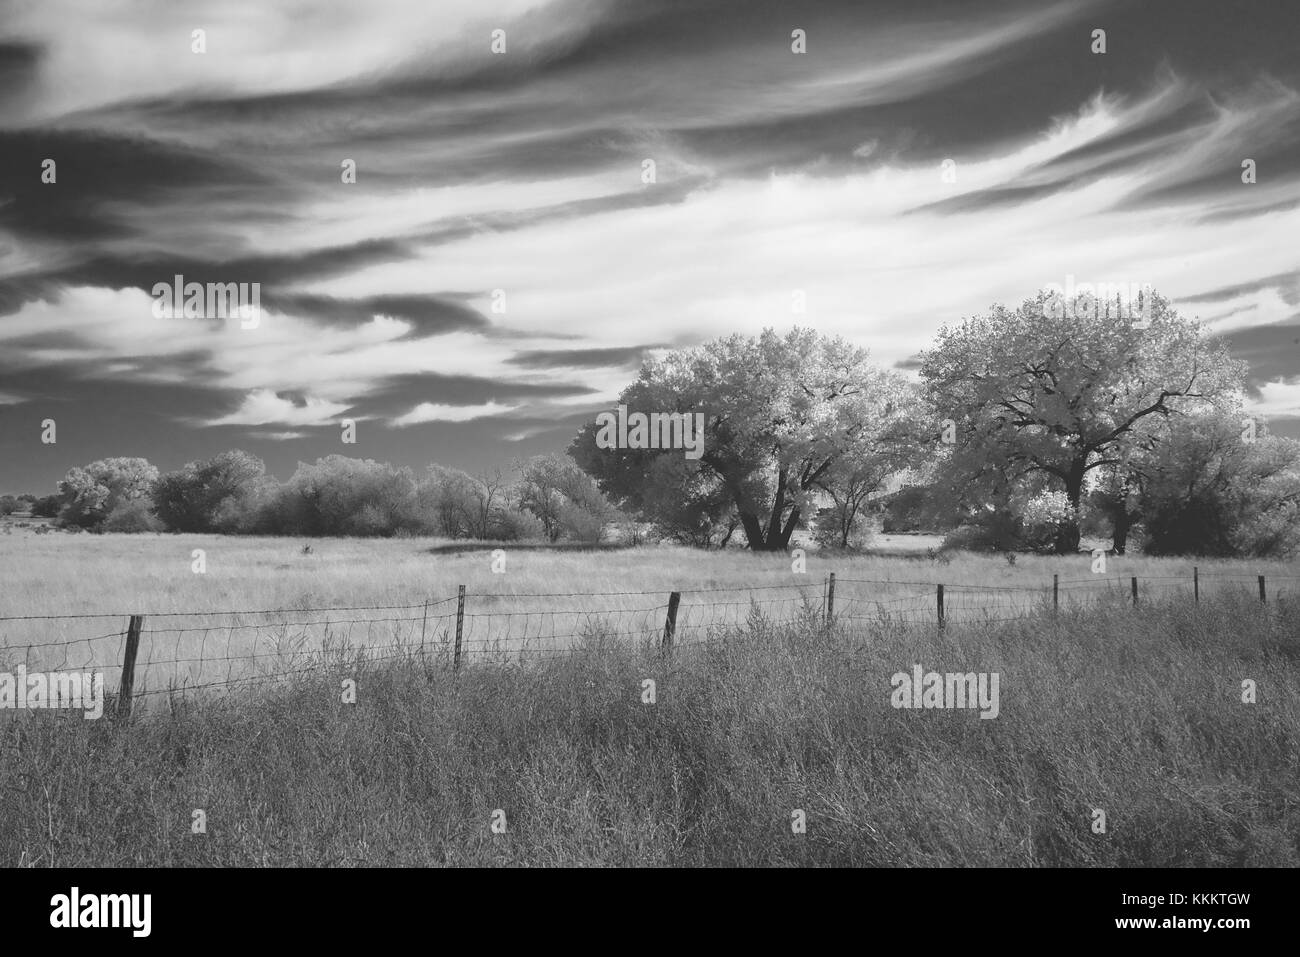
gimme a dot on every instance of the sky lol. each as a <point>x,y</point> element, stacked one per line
<point>504,260</point>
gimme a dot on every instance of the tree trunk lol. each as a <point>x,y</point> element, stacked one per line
<point>1067,540</point>
<point>786,532</point>
<point>775,537</point>
<point>753,530</point>
<point>1122,522</point>
<point>731,529</point>
<point>778,508</point>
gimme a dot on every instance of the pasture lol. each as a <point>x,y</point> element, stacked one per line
<point>62,574</point>
<point>251,609</point>
<point>764,712</point>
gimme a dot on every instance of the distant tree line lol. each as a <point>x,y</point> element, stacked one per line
<point>1028,429</point>
<point>549,499</point>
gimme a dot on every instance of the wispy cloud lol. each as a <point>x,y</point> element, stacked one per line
<point>435,412</point>
<point>264,407</point>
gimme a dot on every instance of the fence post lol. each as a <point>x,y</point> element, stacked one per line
<point>424,621</point>
<point>126,688</point>
<point>1135,590</point>
<point>670,626</point>
<point>938,597</point>
<point>830,600</point>
<point>460,626</point>
<point>1261,589</point>
<point>1196,584</point>
<point>1056,594</point>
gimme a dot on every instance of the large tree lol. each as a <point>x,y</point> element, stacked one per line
<point>88,495</point>
<point>780,412</point>
<point>220,494</point>
<point>1058,393</point>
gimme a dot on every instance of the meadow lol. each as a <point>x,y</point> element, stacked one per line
<point>61,574</point>
<point>764,716</point>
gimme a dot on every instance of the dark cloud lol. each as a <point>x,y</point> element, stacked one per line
<point>1286,284</point>
<point>18,63</point>
<point>1272,351</point>
<point>617,357</point>
<point>428,314</point>
<point>985,199</point>
<point>98,177</point>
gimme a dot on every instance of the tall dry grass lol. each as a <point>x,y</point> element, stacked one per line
<point>1136,712</point>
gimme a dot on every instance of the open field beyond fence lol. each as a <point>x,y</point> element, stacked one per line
<point>206,648</point>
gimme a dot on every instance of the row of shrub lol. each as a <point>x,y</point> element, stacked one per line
<point>547,499</point>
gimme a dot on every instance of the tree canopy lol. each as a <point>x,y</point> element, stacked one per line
<point>1037,394</point>
<point>782,414</point>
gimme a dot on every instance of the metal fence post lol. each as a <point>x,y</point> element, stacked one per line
<point>938,597</point>
<point>1056,594</point>
<point>830,601</point>
<point>1135,590</point>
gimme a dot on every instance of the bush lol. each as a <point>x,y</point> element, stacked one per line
<point>342,496</point>
<point>577,524</point>
<point>992,532</point>
<point>1274,534</point>
<point>827,533</point>
<point>132,516</point>
<point>47,507</point>
<point>516,526</point>
<point>918,508</point>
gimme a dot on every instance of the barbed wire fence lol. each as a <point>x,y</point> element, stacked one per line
<point>171,655</point>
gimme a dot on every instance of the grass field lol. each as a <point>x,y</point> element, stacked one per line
<point>121,574</point>
<point>1134,711</point>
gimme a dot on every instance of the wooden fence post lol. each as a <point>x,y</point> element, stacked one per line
<point>830,601</point>
<point>424,621</point>
<point>938,597</point>
<point>1056,594</point>
<point>1196,584</point>
<point>460,626</point>
<point>1135,590</point>
<point>670,625</point>
<point>1261,589</point>
<point>126,688</point>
